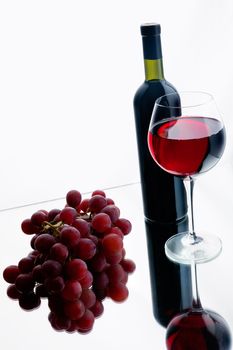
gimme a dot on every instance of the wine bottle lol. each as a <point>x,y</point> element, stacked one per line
<point>163,195</point>
<point>164,198</point>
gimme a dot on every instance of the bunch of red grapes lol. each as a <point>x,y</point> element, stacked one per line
<point>78,260</point>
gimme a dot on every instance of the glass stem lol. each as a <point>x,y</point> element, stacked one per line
<point>189,184</point>
<point>196,299</point>
<point>192,235</point>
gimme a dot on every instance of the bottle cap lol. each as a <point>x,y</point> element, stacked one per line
<point>151,41</point>
<point>150,29</point>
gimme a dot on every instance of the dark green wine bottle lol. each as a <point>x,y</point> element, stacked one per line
<point>164,196</point>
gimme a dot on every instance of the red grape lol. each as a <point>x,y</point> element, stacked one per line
<point>29,301</point>
<point>51,268</point>
<point>96,203</point>
<point>124,225</point>
<point>28,227</point>
<point>74,310</point>
<point>101,280</point>
<point>11,273</point>
<point>76,269</point>
<point>88,298</point>
<point>44,242</point>
<point>110,201</point>
<point>62,323</point>
<point>83,206</point>
<point>24,282</point>
<point>114,258</point>
<point>55,284</point>
<point>55,304</point>
<point>59,252</point>
<point>69,236</point>
<point>85,323</point>
<point>67,215</point>
<point>113,211</point>
<point>112,244</point>
<point>32,242</point>
<point>57,218</point>
<point>39,217</point>
<point>52,320</point>
<point>98,263</point>
<point>87,280</point>
<point>73,198</point>
<point>86,249</point>
<point>98,192</point>
<point>37,274</point>
<point>13,292</point>
<point>53,213</point>
<point>26,265</point>
<point>83,226</point>
<point>72,290</point>
<point>115,273</point>
<point>117,231</point>
<point>125,278</point>
<point>118,291</point>
<point>33,254</point>
<point>72,328</point>
<point>123,253</point>
<point>101,222</point>
<point>128,265</point>
<point>97,308</point>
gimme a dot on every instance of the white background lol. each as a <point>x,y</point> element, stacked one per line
<point>68,73</point>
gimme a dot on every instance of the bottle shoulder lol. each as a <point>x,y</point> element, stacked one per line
<point>153,88</point>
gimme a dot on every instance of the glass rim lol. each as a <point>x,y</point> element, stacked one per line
<point>209,98</point>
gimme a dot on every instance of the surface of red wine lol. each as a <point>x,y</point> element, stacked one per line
<point>198,330</point>
<point>188,145</point>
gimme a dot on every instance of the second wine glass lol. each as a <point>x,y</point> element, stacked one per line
<point>186,138</point>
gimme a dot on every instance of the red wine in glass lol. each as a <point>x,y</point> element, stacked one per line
<point>198,329</point>
<point>187,145</point>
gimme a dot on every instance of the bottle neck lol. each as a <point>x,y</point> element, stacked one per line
<point>153,69</point>
<point>152,53</point>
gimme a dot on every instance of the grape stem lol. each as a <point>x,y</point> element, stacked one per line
<point>85,216</point>
<point>55,227</point>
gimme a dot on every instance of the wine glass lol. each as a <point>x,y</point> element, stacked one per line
<point>186,138</point>
<point>197,328</point>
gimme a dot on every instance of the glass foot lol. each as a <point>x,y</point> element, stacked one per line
<point>181,249</point>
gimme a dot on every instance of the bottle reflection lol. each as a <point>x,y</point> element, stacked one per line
<point>170,283</point>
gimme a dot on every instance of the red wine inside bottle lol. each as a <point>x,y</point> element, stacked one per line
<point>164,197</point>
